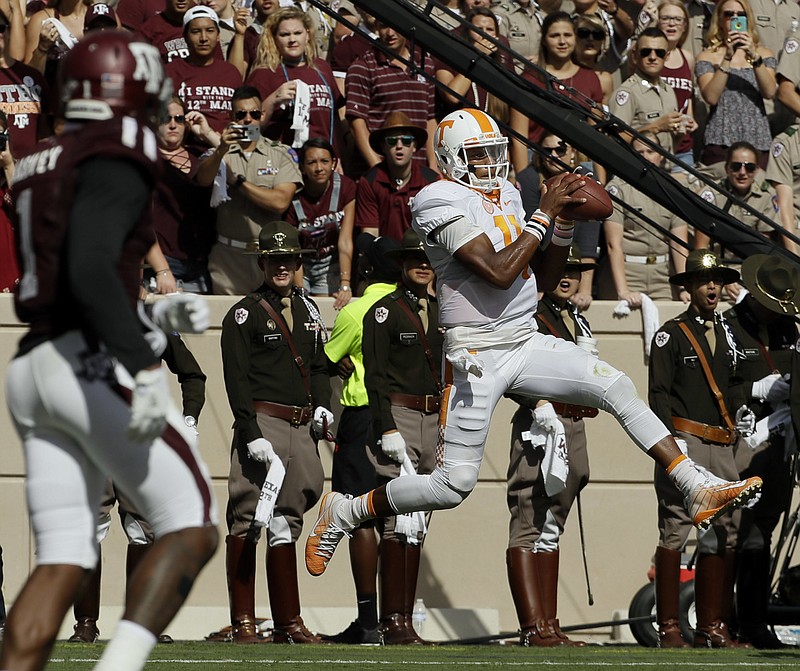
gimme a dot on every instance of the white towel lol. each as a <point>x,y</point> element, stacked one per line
<point>650,319</point>
<point>555,463</point>
<point>65,37</point>
<point>219,191</point>
<point>410,525</point>
<point>270,491</point>
<point>302,113</point>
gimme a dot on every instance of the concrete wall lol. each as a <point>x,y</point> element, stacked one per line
<point>463,571</point>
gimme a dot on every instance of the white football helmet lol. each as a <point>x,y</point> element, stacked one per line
<point>470,149</point>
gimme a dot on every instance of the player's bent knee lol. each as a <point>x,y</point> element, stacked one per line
<point>619,395</point>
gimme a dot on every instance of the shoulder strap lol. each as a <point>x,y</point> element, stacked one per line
<point>297,358</point>
<point>547,323</point>
<point>709,375</point>
<point>415,320</point>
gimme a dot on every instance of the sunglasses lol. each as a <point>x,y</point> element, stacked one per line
<point>559,150</point>
<point>660,53</point>
<point>584,33</point>
<point>736,166</point>
<point>177,118</point>
<point>729,14</point>
<point>392,140</point>
<point>239,115</point>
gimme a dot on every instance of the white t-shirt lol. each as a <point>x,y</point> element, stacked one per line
<point>466,299</point>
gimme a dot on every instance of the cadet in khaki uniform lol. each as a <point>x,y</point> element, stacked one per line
<point>639,255</point>
<point>523,21</point>
<point>741,167</point>
<point>682,397</point>
<point>273,397</point>
<point>537,520</point>
<point>262,178</point>
<point>783,172</point>
<point>775,20</point>
<point>402,349</point>
<point>765,327</point>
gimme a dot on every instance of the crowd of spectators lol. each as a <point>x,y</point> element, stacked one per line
<point>713,84</point>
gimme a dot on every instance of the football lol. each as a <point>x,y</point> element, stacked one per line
<point>598,203</point>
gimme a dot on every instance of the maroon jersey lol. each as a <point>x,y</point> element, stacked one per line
<point>23,97</point>
<point>44,188</point>
<point>206,89</point>
<point>325,98</point>
<point>319,221</point>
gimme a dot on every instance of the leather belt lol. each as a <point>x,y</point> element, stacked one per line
<point>648,260</point>
<point>574,411</point>
<point>294,414</point>
<point>428,404</point>
<point>706,432</point>
<point>251,246</point>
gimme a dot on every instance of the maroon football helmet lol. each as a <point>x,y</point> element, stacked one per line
<point>109,73</point>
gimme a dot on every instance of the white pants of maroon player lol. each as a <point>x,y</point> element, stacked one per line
<point>541,366</point>
<point>74,434</point>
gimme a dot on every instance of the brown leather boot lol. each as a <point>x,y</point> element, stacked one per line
<point>240,564</point>
<point>87,608</point>
<point>548,580</point>
<point>394,630</point>
<point>668,582</point>
<point>523,579</point>
<point>709,597</point>
<point>284,596</point>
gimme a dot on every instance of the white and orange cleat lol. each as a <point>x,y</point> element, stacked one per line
<point>325,536</point>
<point>713,498</point>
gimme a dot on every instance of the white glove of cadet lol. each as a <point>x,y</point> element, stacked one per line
<point>260,449</point>
<point>745,421</point>
<point>545,417</point>
<point>323,418</point>
<point>771,388</point>
<point>148,405</point>
<point>186,313</point>
<point>394,446</point>
<point>462,360</point>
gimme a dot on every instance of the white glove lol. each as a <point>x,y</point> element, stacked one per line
<point>260,449</point>
<point>780,391</point>
<point>745,421</point>
<point>462,360</point>
<point>323,419</point>
<point>394,446</point>
<point>545,417</point>
<point>186,313</point>
<point>191,422</point>
<point>763,388</point>
<point>148,405</point>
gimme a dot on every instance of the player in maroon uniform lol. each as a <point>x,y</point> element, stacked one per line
<point>86,390</point>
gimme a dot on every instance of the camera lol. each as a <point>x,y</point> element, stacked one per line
<point>739,24</point>
<point>249,132</point>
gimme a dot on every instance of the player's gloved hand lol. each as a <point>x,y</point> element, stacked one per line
<point>394,446</point>
<point>462,360</point>
<point>148,405</point>
<point>323,420</point>
<point>260,449</point>
<point>545,417</point>
<point>762,389</point>
<point>186,313</point>
<point>745,421</point>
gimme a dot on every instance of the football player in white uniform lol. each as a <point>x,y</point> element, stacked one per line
<point>485,257</point>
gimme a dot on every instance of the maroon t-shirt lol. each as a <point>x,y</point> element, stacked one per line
<point>183,218</point>
<point>165,36</point>
<point>24,97</point>
<point>325,99</point>
<point>9,268</point>
<point>206,89</point>
<point>319,220</point>
<point>348,51</point>
<point>680,79</point>
<point>133,13</point>
<point>379,204</point>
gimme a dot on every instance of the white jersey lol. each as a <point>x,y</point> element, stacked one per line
<point>466,299</point>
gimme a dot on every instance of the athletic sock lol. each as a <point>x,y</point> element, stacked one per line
<point>685,475</point>
<point>129,648</point>
<point>368,611</point>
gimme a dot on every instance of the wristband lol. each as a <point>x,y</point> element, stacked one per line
<point>563,232</point>
<point>538,224</point>
<point>758,62</point>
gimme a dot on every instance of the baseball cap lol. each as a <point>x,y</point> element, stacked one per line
<point>99,13</point>
<point>200,12</point>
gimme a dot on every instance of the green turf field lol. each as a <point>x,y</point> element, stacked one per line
<point>197,656</point>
